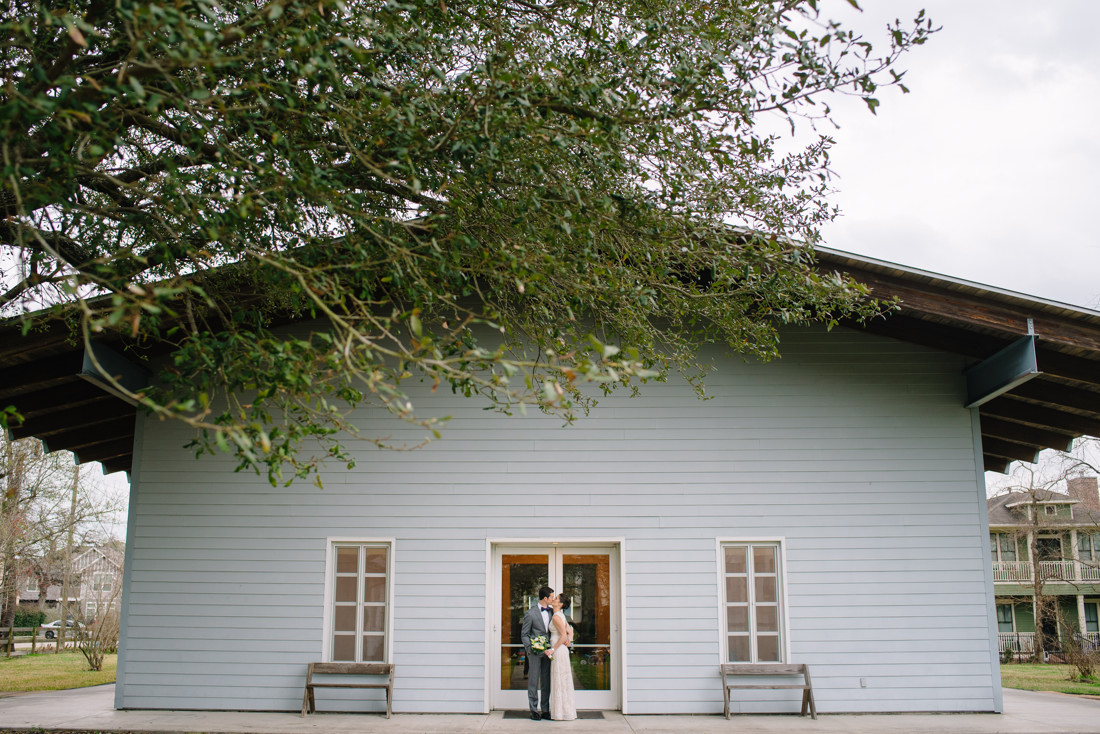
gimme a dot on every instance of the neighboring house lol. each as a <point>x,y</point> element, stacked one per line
<point>1056,536</point>
<point>99,570</point>
<point>30,590</point>
<point>826,508</point>
<point>41,584</point>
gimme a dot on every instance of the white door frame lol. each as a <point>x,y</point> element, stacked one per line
<point>494,548</point>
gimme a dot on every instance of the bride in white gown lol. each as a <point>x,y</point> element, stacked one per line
<point>563,706</point>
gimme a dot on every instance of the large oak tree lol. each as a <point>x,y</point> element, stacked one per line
<point>504,197</point>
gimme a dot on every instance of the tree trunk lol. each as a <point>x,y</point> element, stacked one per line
<point>9,520</point>
<point>1040,602</point>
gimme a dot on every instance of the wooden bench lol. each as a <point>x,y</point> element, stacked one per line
<point>736,670</point>
<point>375,669</point>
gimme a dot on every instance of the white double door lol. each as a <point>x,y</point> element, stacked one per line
<point>589,574</point>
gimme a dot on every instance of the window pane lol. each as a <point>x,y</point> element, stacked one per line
<point>373,648</point>
<point>765,589</point>
<point>345,588</point>
<point>739,649</point>
<point>735,560</point>
<point>767,648</point>
<point>767,619</point>
<point>753,614</point>
<point>374,619</point>
<point>1084,547</point>
<point>737,589</point>
<point>374,588</point>
<point>1092,623</point>
<point>358,608</point>
<point>763,560</point>
<point>343,648</point>
<point>376,560</point>
<point>343,619</point>
<point>737,619</point>
<point>591,668</point>
<point>347,560</point>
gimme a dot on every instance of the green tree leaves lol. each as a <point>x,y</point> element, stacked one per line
<point>461,192</point>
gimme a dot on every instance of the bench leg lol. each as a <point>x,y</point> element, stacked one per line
<point>305,700</point>
<point>808,702</point>
<point>389,701</point>
<point>726,697</point>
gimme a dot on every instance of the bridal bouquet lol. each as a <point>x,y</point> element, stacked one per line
<point>540,644</point>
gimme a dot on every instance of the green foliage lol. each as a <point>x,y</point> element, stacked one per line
<point>460,192</point>
<point>28,617</point>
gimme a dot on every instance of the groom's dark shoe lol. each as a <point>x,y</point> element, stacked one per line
<point>546,717</point>
<point>535,716</point>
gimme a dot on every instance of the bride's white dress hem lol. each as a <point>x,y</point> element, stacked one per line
<point>563,706</point>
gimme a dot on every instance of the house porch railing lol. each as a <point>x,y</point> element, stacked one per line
<point>1021,643</point>
<point>1019,572</point>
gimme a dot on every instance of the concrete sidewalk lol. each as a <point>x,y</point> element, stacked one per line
<point>89,709</point>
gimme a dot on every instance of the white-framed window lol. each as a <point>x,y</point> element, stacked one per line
<point>91,609</point>
<point>1004,618</point>
<point>102,582</point>
<point>1088,546</point>
<point>1092,617</point>
<point>1002,546</point>
<point>1051,510</point>
<point>754,618</point>
<point>30,584</point>
<point>358,604</point>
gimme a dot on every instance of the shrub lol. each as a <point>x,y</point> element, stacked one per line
<point>1083,658</point>
<point>99,638</point>
<point>28,617</point>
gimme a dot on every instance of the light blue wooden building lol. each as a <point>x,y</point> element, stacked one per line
<point>827,508</point>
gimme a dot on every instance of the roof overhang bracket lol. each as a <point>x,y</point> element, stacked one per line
<point>106,362</point>
<point>1014,365</point>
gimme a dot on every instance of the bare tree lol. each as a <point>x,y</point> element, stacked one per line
<point>38,512</point>
<point>97,635</point>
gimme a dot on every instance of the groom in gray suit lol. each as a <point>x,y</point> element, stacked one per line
<point>537,622</point>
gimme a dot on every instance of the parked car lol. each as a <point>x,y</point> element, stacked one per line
<point>50,629</point>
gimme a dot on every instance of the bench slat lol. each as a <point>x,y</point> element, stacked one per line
<point>765,685</point>
<point>762,669</point>
<point>351,668</point>
<point>315,684</point>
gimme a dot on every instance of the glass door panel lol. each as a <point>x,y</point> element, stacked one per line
<point>587,581</point>
<point>521,577</point>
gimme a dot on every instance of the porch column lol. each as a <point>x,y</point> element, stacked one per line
<point>1081,614</point>
<point>1075,556</point>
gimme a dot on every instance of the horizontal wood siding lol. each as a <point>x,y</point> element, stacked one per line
<point>853,449</point>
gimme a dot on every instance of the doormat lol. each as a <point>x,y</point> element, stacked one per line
<point>527,714</point>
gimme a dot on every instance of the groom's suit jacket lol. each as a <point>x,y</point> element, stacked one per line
<point>532,626</point>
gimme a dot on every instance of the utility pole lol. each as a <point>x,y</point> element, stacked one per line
<point>68,561</point>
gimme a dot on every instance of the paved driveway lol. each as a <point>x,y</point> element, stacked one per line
<point>90,709</point>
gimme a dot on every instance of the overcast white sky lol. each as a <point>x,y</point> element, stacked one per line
<point>987,170</point>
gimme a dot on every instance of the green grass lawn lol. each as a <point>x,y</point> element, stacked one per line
<point>51,672</point>
<point>1034,677</point>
